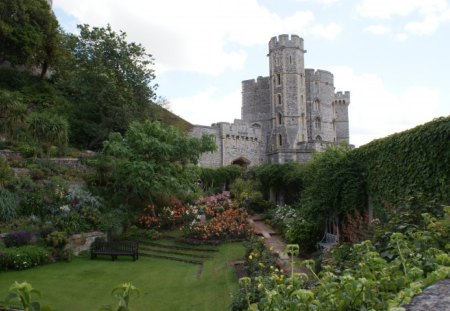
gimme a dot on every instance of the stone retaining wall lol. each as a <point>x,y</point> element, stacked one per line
<point>82,241</point>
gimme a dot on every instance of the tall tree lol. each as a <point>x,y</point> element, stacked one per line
<point>151,159</point>
<point>108,80</point>
<point>29,34</point>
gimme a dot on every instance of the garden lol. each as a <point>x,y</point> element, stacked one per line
<point>88,156</point>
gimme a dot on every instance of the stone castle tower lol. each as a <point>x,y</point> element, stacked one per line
<point>285,117</point>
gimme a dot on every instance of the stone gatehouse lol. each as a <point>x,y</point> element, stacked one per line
<point>286,116</point>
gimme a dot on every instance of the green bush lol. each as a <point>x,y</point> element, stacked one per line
<point>9,205</point>
<point>6,172</point>
<point>21,258</point>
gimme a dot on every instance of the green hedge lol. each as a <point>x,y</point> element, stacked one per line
<point>410,163</point>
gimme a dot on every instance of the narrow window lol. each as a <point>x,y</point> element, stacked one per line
<point>279,118</point>
<point>280,140</point>
<point>316,105</point>
<point>278,79</point>
<point>290,59</point>
<point>317,124</point>
<point>279,99</point>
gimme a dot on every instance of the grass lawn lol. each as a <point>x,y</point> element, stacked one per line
<point>85,284</point>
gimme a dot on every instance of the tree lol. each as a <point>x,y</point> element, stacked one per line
<point>108,81</point>
<point>29,34</point>
<point>151,159</point>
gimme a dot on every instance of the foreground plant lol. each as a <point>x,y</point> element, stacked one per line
<point>23,293</point>
<point>122,293</point>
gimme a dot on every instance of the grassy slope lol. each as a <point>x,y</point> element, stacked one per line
<point>86,284</point>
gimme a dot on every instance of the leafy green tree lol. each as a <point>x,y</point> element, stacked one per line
<point>151,159</point>
<point>29,33</point>
<point>108,81</point>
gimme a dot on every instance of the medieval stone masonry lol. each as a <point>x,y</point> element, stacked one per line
<point>285,117</point>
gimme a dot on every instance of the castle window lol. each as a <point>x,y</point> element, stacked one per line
<point>290,59</point>
<point>278,79</point>
<point>279,99</point>
<point>317,124</point>
<point>279,118</point>
<point>318,138</point>
<point>280,140</point>
<point>316,105</point>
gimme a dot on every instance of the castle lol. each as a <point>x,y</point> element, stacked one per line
<point>285,117</point>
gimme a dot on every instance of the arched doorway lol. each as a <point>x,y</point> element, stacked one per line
<point>241,161</point>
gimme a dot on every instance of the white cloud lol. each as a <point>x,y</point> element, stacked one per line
<point>378,29</point>
<point>324,2</point>
<point>424,17</point>
<point>207,107</point>
<point>330,31</point>
<point>385,9</point>
<point>194,35</point>
<point>375,111</point>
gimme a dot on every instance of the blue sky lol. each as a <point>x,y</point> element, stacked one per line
<point>392,55</point>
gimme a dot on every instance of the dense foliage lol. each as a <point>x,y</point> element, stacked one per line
<point>367,279</point>
<point>149,160</point>
<point>215,180</point>
<point>409,163</point>
<point>29,34</point>
<point>108,81</point>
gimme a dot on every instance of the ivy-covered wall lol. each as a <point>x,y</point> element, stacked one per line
<point>410,163</point>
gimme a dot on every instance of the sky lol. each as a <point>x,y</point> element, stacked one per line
<point>392,55</point>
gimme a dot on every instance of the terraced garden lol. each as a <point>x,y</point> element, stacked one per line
<point>171,275</point>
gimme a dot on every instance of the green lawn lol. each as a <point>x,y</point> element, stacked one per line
<point>85,284</point>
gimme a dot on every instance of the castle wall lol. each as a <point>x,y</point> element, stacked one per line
<point>209,159</point>
<point>285,117</point>
<point>256,107</point>
<point>342,100</point>
<point>320,110</point>
<point>237,141</point>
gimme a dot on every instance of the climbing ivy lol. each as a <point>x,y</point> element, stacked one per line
<point>407,164</point>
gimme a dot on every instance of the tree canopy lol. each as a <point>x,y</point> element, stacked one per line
<point>29,34</point>
<point>108,81</point>
<point>151,159</point>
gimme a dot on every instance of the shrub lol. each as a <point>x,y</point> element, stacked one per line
<point>29,150</point>
<point>20,258</point>
<point>9,205</point>
<point>5,172</point>
<point>18,238</point>
<point>56,239</point>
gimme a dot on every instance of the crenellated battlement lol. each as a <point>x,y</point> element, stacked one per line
<point>281,41</point>
<point>286,116</point>
<point>319,75</point>
<point>342,96</point>
<point>253,85</point>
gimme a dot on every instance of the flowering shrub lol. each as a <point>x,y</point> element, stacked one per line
<point>166,217</point>
<point>222,219</point>
<point>20,258</point>
<point>230,224</point>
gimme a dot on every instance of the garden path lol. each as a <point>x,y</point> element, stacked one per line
<point>273,242</point>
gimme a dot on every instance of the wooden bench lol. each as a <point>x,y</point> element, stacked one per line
<point>115,249</point>
<point>327,242</point>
